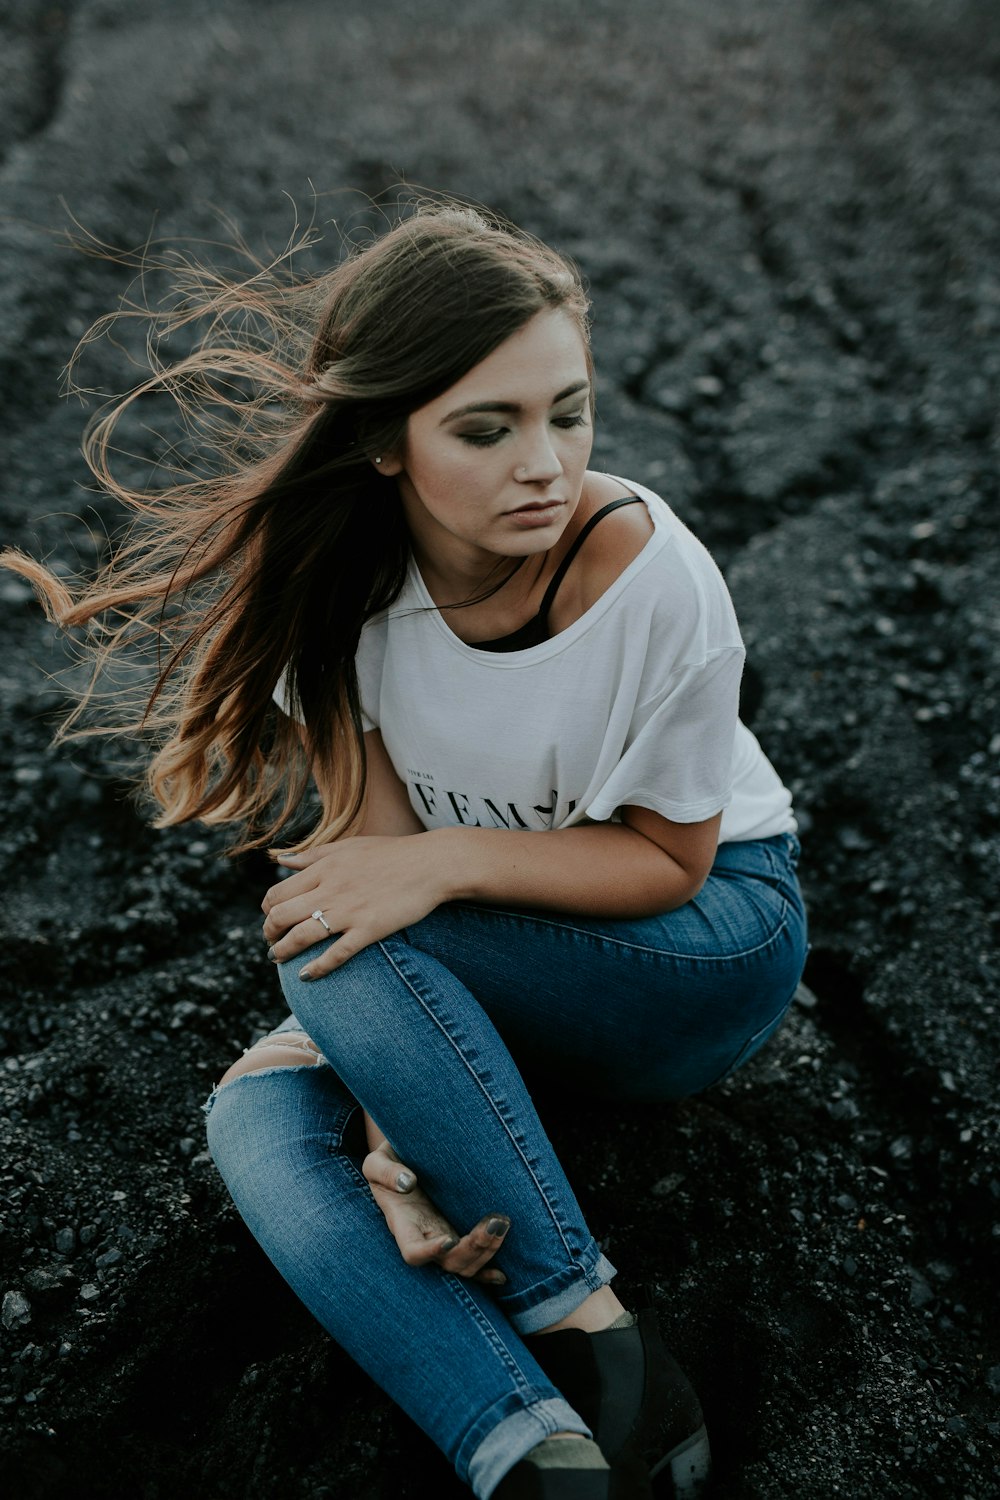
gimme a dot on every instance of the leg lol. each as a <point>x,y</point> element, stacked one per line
<point>653,1009</point>
<point>418,1051</point>
<point>436,1344</point>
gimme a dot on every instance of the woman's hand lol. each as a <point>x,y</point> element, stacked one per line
<point>422,1233</point>
<point>365,888</point>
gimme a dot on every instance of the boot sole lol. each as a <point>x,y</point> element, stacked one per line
<point>683,1473</point>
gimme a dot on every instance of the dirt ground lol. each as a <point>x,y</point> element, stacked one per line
<point>788,215</point>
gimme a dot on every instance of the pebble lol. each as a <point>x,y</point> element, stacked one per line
<point>109,1258</point>
<point>15,1311</point>
<point>90,1292</point>
<point>65,1241</point>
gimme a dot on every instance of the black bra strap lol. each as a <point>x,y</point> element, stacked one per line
<point>560,572</point>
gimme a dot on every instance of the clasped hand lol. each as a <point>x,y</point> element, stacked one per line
<point>422,1232</point>
<point>366,888</point>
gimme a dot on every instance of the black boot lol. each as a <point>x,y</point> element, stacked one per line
<point>526,1482</point>
<point>640,1406</point>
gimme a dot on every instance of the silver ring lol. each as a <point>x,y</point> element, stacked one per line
<point>319,917</point>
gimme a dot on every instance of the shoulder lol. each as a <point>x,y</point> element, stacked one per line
<point>616,540</point>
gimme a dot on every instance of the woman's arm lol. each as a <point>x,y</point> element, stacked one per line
<point>643,865</point>
<point>387,806</point>
<point>372,886</point>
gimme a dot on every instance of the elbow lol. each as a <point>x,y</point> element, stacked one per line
<point>678,884</point>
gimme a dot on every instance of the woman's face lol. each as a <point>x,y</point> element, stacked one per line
<point>495,466</point>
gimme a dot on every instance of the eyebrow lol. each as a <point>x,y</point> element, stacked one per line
<point>511,406</point>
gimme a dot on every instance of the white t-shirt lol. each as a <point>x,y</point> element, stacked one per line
<point>636,703</point>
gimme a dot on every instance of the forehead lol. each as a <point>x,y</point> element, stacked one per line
<point>533,365</point>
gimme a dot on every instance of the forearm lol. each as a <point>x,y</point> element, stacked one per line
<point>598,870</point>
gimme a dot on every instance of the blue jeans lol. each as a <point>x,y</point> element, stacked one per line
<point>423,1030</point>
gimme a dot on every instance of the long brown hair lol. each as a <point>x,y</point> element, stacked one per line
<point>279,541</point>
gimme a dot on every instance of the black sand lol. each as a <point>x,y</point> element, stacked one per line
<point>788,213</point>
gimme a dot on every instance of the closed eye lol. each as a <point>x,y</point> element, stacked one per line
<point>487,439</point>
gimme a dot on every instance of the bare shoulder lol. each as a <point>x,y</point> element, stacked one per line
<point>615,541</point>
<point>606,552</point>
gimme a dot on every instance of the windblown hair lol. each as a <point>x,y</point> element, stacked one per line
<point>271,549</point>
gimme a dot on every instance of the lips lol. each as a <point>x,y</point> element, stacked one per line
<point>535,505</point>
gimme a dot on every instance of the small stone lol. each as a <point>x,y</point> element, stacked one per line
<point>186,1145</point>
<point>850,1265</point>
<point>707,385</point>
<point>16,1310</point>
<point>64,1350</point>
<point>667,1185</point>
<point>109,1258</point>
<point>90,1292</point>
<point>65,1240</point>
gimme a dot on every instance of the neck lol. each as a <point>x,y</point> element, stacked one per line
<point>453,586</point>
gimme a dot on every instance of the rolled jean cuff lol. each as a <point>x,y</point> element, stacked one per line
<point>558,1295</point>
<point>513,1437</point>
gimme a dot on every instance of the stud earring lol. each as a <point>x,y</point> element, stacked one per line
<point>378,460</point>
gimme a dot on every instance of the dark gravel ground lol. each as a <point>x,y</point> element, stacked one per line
<point>788,213</point>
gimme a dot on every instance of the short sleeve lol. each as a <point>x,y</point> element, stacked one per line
<point>678,758</point>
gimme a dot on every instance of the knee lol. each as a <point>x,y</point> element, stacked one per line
<point>288,1049</point>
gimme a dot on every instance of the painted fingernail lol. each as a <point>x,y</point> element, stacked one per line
<point>448,1244</point>
<point>494,1278</point>
<point>404,1181</point>
<point>272,955</point>
<point>497,1227</point>
<point>305,974</point>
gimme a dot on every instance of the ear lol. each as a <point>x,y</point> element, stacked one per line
<point>388,464</point>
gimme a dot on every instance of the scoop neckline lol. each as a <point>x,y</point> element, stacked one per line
<point>554,644</point>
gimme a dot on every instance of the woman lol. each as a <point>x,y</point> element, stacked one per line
<point>476,640</point>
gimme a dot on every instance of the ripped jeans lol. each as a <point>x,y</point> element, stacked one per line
<point>423,1030</point>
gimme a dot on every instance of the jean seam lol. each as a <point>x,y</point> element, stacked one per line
<point>455,1285</point>
<point>493,1104</point>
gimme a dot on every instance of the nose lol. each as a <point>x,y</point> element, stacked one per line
<point>538,462</point>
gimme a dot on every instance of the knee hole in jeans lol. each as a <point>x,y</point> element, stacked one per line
<point>286,1049</point>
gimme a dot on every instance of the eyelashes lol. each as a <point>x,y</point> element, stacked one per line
<point>487,439</point>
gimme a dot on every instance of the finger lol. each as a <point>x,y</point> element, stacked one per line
<point>477,1247</point>
<point>300,859</point>
<point>281,920</point>
<point>288,904</point>
<point>337,954</point>
<point>420,1248</point>
<point>491,1277</point>
<point>286,890</point>
<point>380,1170</point>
